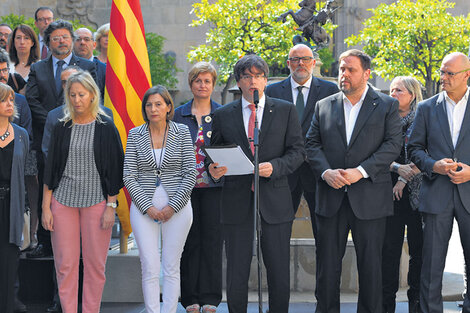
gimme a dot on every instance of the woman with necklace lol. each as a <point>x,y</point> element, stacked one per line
<point>159,173</point>
<point>201,262</point>
<point>14,142</point>
<point>82,178</point>
<point>23,49</point>
<point>407,181</point>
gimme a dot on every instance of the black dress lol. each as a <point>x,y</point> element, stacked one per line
<point>8,251</point>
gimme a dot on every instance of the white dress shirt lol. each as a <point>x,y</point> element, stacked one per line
<point>246,111</point>
<point>455,114</point>
<point>305,90</point>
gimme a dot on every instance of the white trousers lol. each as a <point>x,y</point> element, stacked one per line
<point>172,234</point>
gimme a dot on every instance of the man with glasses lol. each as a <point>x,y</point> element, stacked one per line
<point>5,31</point>
<point>83,47</point>
<point>304,90</point>
<point>440,147</point>
<point>42,18</point>
<point>281,152</point>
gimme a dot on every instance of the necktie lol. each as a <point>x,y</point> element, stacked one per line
<point>58,72</point>
<point>251,126</point>
<point>44,51</point>
<point>299,103</point>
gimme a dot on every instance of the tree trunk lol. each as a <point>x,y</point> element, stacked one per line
<point>226,88</point>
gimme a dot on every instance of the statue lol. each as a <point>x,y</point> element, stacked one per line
<point>310,22</point>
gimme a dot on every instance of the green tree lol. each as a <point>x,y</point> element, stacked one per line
<point>162,67</point>
<point>14,20</point>
<point>240,27</point>
<point>412,37</point>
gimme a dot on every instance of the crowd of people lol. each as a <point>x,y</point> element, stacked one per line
<point>366,163</point>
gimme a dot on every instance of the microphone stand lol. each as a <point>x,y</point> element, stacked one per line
<point>257,216</point>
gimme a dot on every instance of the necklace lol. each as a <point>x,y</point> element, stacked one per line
<point>6,134</point>
<point>159,165</point>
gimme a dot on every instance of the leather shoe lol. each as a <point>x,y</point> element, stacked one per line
<point>54,308</point>
<point>19,307</point>
<point>39,252</point>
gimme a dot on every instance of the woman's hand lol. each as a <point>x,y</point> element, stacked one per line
<point>406,171</point>
<point>154,214</point>
<point>167,213</point>
<point>398,190</point>
<point>47,219</point>
<point>107,219</point>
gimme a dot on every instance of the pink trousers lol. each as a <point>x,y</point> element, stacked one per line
<point>69,225</point>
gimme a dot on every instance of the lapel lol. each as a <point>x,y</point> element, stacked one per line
<point>171,144</point>
<point>368,106</point>
<point>49,66</point>
<point>443,121</point>
<point>287,90</point>
<point>311,100</point>
<point>145,145</point>
<point>464,127</point>
<point>338,112</point>
<point>267,118</point>
<point>239,127</point>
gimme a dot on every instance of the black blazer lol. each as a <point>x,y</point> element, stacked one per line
<point>280,143</point>
<point>41,93</point>
<point>100,76</point>
<point>375,142</point>
<point>319,89</point>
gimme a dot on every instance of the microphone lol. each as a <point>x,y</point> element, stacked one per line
<point>256,98</point>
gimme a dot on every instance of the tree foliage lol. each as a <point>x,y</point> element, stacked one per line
<point>412,37</point>
<point>162,67</point>
<point>14,20</point>
<point>240,27</point>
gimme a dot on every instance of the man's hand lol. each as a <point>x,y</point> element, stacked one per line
<point>351,174</point>
<point>335,179</point>
<point>461,176</point>
<point>216,171</point>
<point>406,171</point>
<point>444,166</point>
<point>265,169</point>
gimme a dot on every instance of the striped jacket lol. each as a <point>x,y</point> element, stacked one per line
<point>178,167</point>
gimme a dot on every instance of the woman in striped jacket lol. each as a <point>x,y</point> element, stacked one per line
<point>160,173</point>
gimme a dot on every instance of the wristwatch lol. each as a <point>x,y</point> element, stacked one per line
<point>112,204</point>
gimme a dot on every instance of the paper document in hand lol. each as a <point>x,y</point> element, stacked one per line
<point>232,157</point>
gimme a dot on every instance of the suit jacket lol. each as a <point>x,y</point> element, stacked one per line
<point>53,118</point>
<point>319,89</point>
<point>280,143</point>
<point>431,141</point>
<point>178,167</point>
<point>375,142</point>
<point>24,114</point>
<point>41,93</point>
<point>100,76</point>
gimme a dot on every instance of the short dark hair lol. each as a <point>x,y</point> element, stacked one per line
<point>163,92</point>
<point>59,24</point>
<point>33,53</point>
<point>4,57</point>
<point>42,9</point>
<point>363,57</point>
<point>247,62</point>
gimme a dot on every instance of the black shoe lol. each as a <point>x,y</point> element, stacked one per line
<point>39,252</point>
<point>19,306</point>
<point>54,308</point>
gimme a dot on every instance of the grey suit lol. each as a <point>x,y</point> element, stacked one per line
<point>440,200</point>
<point>362,207</point>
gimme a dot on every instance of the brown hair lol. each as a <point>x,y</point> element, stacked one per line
<point>163,92</point>
<point>199,68</point>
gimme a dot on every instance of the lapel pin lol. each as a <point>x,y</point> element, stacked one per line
<point>270,111</point>
<point>208,119</point>
<point>374,103</point>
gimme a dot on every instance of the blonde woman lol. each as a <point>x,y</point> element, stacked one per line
<point>101,38</point>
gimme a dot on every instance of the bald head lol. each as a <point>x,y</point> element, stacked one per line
<point>457,58</point>
<point>301,63</point>
<point>455,72</point>
<point>66,74</point>
<point>84,43</point>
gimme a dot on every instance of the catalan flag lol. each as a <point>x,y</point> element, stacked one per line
<point>127,78</point>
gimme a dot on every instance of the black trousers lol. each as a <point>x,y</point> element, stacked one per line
<point>296,194</point>
<point>44,236</point>
<point>332,236</point>
<point>403,216</point>
<point>201,262</point>
<point>275,247</point>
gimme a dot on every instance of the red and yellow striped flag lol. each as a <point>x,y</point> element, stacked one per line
<point>127,78</point>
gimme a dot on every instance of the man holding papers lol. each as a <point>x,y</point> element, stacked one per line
<point>280,153</point>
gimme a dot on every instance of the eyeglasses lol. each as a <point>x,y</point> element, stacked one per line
<point>4,70</point>
<point>304,59</point>
<point>256,77</point>
<point>44,19</point>
<point>4,35</point>
<point>57,38</point>
<point>85,39</point>
<point>452,74</point>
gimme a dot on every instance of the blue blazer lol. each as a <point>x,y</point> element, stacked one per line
<point>431,141</point>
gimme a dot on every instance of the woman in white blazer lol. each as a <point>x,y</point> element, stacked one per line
<point>160,173</point>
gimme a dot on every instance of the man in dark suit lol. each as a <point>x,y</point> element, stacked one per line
<point>280,153</point>
<point>44,93</point>
<point>301,64</point>
<point>354,136</point>
<point>83,47</point>
<point>440,147</point>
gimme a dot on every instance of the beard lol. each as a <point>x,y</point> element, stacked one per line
<point>58,51</point>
